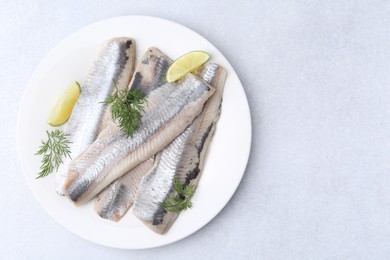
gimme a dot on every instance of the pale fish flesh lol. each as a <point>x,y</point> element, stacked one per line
<point>114,201</point>
<point>182,160</point>
<point>149,74</point>
<point>121,84</point>
<point>170,109</point>
<point>115,62</point>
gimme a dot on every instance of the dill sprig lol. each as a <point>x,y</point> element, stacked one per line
<point>54,150</point>
<point>127,106</point>
<point>181,200</point>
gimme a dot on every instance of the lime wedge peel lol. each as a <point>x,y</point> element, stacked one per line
<point>185,64</point>
<point>64,106</point>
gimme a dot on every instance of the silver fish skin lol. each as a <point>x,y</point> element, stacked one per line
<point>121,83</point>
<point>114,62</point>
<point>114,201</point>
<point>149,74</point>
<point>170,109</point>
<point>151,71</point>
<point>183,159</point>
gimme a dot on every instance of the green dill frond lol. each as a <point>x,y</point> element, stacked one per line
<point>53,151</point>
<point>181,199</point>
<point>126,108</point>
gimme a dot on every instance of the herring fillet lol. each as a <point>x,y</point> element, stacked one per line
<point>151,71</point>
<point>183,159</point>
<point>110,200</point>
<point>113,63</point>
<point>114,201</point>
<point>121,83</point>
<point>170,109</point>
<point>145,78</point>
<point>149,74</point>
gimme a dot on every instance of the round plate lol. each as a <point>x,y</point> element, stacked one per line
<point>227,155</point>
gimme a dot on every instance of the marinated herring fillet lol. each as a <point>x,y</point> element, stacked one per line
<point>110,200</point>
<point>114,62</point>
<point>121,84</point>
<point>170,109</point>
<point>182,160</point>
<point>114,201</point>
<point>149,74</point>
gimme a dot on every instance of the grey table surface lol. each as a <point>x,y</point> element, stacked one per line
<point>316,74</point>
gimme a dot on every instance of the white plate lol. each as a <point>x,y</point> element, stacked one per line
<point>70,60</point>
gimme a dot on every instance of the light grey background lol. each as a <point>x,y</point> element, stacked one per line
<point>317,77</point>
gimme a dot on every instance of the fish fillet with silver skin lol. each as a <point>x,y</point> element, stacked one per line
<point>169,110</point>
<point>182,160</point>
<point>115,62</point>
<point>114,201</point>
<point>149,74</point>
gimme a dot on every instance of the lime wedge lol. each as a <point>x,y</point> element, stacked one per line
<point>185,64</point>
<point>62,110</point>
